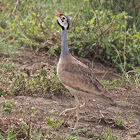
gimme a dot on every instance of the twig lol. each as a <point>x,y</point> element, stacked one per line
<point>124,57</point>
<point>15,7</point>
<point>102,33</point>
<point>75,17</point>
<point>39,19</point>
<point>78,42</point>
<point>36,38</point>
<point>99,24</point>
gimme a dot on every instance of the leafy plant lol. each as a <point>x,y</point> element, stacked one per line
<point>43,82</point>
<point>113,83</point>
<point>108,29</point>
<point>119,122</point>
<point>7,65</point>
<point>54,123</point>
<point>6,106</point>
<point>109,136</point>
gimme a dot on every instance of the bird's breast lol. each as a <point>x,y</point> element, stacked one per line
<point>60,67</point>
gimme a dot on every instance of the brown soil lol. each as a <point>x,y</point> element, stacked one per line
<point>97,117</point>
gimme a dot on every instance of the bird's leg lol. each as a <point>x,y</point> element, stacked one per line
<point>67,110</point>
<point>70,109</point>
<point>81,107</point>
<point>77,110</point>
<point>85,103</point>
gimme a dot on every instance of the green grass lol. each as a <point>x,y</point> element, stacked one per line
<point>109,29</point>
<point>6,106</point>
<point>44,82</point>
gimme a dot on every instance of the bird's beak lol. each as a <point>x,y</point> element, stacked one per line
<point>58,14</point>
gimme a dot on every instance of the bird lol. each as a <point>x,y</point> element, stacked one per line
<point>77,77</point>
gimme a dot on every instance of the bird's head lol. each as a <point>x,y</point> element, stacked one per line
<point>63,21</point>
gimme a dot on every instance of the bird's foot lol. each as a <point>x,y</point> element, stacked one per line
<point>102,117</point>
<point>67,110</point>
<point>101,114</point>
<point>77,119</point>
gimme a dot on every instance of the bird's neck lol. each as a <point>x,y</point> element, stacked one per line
<point>64,48</point>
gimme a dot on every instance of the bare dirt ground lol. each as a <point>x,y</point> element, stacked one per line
<point>96,118</point>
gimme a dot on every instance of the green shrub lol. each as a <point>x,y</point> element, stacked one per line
<point>105,30</point>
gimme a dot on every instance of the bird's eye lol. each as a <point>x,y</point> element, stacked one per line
<point>63,18</point>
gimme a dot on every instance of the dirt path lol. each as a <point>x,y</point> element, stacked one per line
<point>97,117</point>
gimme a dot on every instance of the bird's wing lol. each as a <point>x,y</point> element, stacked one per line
<point>80,77</point>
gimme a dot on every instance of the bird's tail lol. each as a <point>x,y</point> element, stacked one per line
<point>107,99</point>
